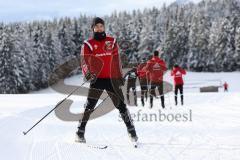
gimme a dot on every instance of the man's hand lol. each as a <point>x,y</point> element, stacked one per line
<point>90,77</point>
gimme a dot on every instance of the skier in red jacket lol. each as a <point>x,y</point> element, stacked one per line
<point>177,74</point>
<point>101,65</point>
<point>225,86</point>
<point>155,68</point>
<point>143,81</point>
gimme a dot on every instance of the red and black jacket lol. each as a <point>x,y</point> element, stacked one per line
<point>141,72</point>
<point>155,68</point>
<point>177,74</point>
<point>101,58</point>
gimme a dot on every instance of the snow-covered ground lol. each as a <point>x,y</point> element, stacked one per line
<point>210,129</point>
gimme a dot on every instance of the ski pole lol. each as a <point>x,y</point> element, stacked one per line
<point>60,102</point>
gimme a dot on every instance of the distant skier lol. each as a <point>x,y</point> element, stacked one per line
<point>131,83</point>
<point>177,74</point>
<point>101,65</point>
<point>155,68</point>
<point>225,86</point>
<point>142,75</point>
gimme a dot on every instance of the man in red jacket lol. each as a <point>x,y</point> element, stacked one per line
<point>143,81</point>
<point>101,65</point>
<point>155,68</point>
<point>177,74</point>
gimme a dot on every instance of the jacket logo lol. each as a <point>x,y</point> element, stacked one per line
<point>156,66</point>
<point>103,54</point>
<point>178,74</point>
<point>95,46</point>
<point>108,46</point>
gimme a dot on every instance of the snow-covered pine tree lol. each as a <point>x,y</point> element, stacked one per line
<point>236,56</point>
<point>198,42</point>
<point>41,68</point>
<point>49,51</point>
<point>225,49</point>
<point>8,78</point>
<point>77,37</point>
<point>65,40</point>
<point>21,65</point>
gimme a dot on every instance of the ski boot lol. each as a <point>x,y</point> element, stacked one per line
<point>133,137</point>
<point>80,137</point>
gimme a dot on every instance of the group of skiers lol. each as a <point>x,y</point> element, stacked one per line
<point>150,75</point>
<point>101,65</point>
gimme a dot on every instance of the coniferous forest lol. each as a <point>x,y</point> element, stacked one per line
<point>199,37</point>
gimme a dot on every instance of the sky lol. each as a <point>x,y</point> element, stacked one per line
<point>27,10</point>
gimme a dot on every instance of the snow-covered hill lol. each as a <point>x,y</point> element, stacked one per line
<point>210,132</point>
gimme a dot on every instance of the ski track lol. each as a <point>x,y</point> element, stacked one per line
<point>40,150</point>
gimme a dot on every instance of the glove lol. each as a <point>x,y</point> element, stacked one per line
<point>90,77</point>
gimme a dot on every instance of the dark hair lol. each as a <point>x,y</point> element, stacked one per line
<point>97,20</point>
<point>176,65</point>
<point>156,53</point>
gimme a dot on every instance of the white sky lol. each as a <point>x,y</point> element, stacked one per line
<point>22,10</point>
